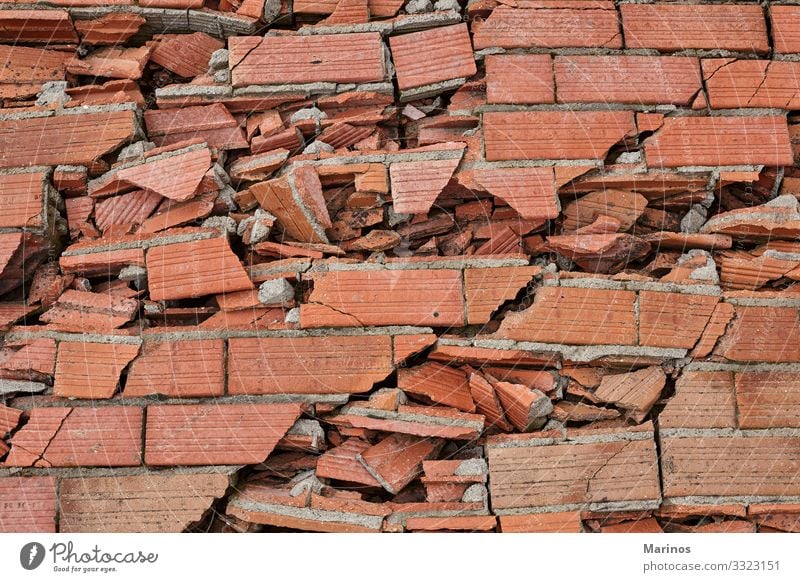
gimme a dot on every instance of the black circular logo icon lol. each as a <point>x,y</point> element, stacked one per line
<point>31,555</point>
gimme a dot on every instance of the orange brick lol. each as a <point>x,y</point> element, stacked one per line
<point>522,79</point>
<point>221,434</point>
<point>627,79</point>
<point>672,27</point>
<point>29,504</point>
<point>548,28</point>
<point>315,365</point>
<point>432,56</point>
<point>575,316</point>
<point>720,141</point>
<point>563,135</point>
<point>673,320</point>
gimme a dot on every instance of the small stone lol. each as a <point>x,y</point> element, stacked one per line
<point>419,6</point>
<point>318,147</point>
<point>278,292</point>
<point>444,5</point>
<point>53,93</point>
<point>218,61</point>
<point>222,77</point>
<point>293,316</point>
<point>472,467</point>
<point>693,221</point>
<point>629,158</point>
<point>224,224</point>
<point>475,493</point>
<point>135,274</point>
<point>135,151</point>
<point>308,113</point>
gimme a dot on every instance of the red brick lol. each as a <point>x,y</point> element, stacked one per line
<point>186,55</point>
<point>279,60</point>
<point>565,135</point>
<point>148,503</point>
<point>485,290</point>
<point>767,334</point>
<point>26,68</point>
<point>76,139</point>
<point>519,79</point>
<point>575,316</point>
<point>702,400</point>
<point>673,320</point>
<point>194,269</point>
<point>768,399</point>
<point>437,383</point>
<point>390,297</point>
<point>315,365</point>
<point>405,346</point>
<point>627,79</point>
<point>110,29</point>
<point>545,28</point>
<point>668,27</point>
<point>415,185</point>
<point>529,191</point>
<point>108,436</point>
<point>733,83</point>
<point>785,28</point>
<point>22,196</point>
<point>214,124</point>
<point>467,523</point>
<point>341,463</point>
<point>29,504</point>
<point>432,56</point>
<point>111,62</point>
<point>396,460</point>
<point>573,474</point>
<point>91,370</point>
<point>179,369</point>
<point>215,434</point>
<point>720,141</point>
<point>175,174</point>
<point>36,26</point>
<point>562,522</point>
<point>730,465</point>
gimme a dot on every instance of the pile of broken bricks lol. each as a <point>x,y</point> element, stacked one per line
<point>375,265</point>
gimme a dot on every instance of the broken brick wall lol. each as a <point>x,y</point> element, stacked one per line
<point>350,265</point>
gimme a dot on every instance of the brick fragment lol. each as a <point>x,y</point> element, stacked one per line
<point>29,504</point>
<point>315,365</point>
<point>221,434</point>
<point>295,59</point>
<point>75,139</point>
<point>674,27</point>
<point>397,460</point>
<point>564,135</point>
<point>720,141</point>
<point>702,400</point>
<point>572,475</point>
<point>109,436</point>
<point>734,83</point>
<point>148,503</point>
<point>91,370</point>
<point>390,297</point>
<point>636,80</point>
<point>509,28</point>
<point>440,384</point>
<point>575,316</point>
<point>432,56</point>
<point>194,269</point>
<point>179,369</point>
